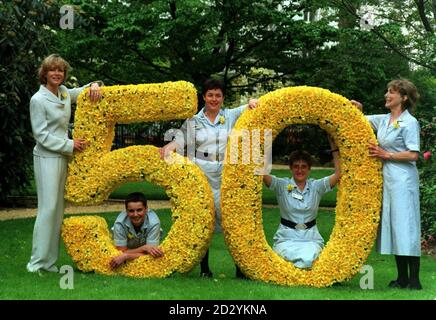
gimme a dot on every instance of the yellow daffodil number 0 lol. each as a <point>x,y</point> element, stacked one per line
<point>97,171</point>
<point>358,198</point>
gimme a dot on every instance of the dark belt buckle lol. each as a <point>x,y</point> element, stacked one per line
<point>300,226</point>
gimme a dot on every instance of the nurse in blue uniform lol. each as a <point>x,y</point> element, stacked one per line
<point>206,136</point>
<point>398,148</point>
<point>297,239</point>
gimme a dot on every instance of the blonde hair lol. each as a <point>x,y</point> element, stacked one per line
<point>405,88</point>
<point>52,62</point>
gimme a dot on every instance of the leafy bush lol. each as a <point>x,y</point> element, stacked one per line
<point>426,84</point>
<point>24,36</point>
<point>428,180</point>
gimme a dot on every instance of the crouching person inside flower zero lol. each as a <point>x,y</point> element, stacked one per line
<point>297,239</point>
<point>136,231</point>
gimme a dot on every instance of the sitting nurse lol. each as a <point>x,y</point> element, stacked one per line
<point>297,238</point>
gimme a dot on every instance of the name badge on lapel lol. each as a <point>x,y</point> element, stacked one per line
<point>296,196</point>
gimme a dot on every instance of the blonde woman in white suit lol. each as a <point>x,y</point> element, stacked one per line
<point>50,111</point>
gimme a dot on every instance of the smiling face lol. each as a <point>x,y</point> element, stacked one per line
<point>300,171</point>
<point>53,70</point>
<point>213,99</point>
<point>55,77</point>
<point>136,212</point>
<point>393,99</point>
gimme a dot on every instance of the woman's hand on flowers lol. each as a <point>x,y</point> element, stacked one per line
<point>80,144</point>
<point>376,151</point>
<point>252,103</point>
<point>94,92</point>
<point>357,104</point>
<point>167,149</point>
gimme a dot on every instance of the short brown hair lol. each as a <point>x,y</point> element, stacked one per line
<point>52,62</point>
<point>212,84</point>
<point>136,197</point>
<point>300,155</point>
<point>405,88</point>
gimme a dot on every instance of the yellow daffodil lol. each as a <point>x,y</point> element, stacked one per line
<point>222,120</point>
<point>64,95</point>
<point>358,197</point>
<point>396,124</point>
<point>290,187</point>
<point>96,171</point>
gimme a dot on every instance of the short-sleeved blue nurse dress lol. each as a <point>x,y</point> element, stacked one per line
<point>400,227</point>
<point>301,247</point>
<point>209,141</point>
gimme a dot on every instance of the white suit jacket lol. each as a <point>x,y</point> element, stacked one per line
<point>50,116</point>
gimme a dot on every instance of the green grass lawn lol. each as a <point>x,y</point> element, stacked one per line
<point>154,192</point>
<point>17,283</point>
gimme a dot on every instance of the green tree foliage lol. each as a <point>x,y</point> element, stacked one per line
<point>153,41</point>
<point>24,39</point>
<point>425,114</point>
<point>406,30</point>
<point>416,18</point>
<point>356,63</point>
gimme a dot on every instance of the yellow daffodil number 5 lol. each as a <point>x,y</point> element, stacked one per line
<point>94,173</point>
<point>358,198</point>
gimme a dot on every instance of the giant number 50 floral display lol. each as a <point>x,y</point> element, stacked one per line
<point>94,173</point>
<point>97,171</point>
<point>358,198</point>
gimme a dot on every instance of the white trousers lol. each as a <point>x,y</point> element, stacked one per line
<point>50,177</point>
